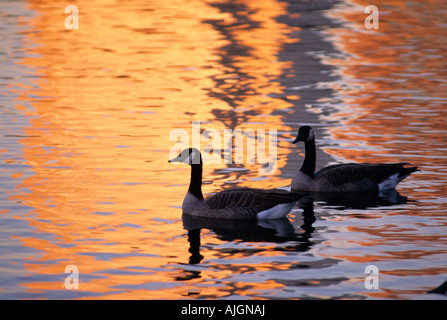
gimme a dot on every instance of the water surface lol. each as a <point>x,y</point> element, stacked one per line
<point>86,115</point>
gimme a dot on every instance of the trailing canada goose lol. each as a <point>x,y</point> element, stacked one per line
<point>442,289</point>
<point>345,177</point>
<point>235,203</point>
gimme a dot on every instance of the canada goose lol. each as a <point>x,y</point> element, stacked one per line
<point>345,177</point>
<point>235,203</point>
<point>442,289</point>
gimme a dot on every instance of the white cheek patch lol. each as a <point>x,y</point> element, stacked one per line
<point>311,135</point>
<point>190,158</point>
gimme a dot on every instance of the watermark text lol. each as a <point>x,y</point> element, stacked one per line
<point>372,278</point>
<point>72,21</point>
<point>372,20</point>
<point>72,280</point>
<point>250,146</point>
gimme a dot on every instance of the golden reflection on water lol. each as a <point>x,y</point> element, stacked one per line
<point>104,197</point>
<point>399,72</point>
<point>396,80</point>
<point>108,96</point>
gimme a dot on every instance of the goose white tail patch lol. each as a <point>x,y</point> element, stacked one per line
<point>277,212</point>
<point>390,182</point>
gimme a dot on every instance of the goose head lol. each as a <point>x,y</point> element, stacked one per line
<point>305,133</point>
<point>189,156</point>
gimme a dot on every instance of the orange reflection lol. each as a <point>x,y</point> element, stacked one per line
<point>108,96</point>
<point>251,68</point>
<point>392,113</point>
<point>392,108</point>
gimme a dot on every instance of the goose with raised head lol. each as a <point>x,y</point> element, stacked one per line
<point>345,177</point>
<point>234,203</point>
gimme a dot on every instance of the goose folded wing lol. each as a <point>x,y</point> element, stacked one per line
<point>257,199</point>
<point>353,172</point>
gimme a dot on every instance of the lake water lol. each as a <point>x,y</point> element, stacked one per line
<point>86,117</point>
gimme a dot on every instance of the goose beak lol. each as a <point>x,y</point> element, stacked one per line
<point>298,139</point>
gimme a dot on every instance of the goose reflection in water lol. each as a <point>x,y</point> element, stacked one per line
<point>282,230</point>
<point>274,231</point>
<point>358,200</point>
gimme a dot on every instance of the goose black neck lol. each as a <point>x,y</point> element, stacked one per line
<point>195,186</point>
<point>310,158</point>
